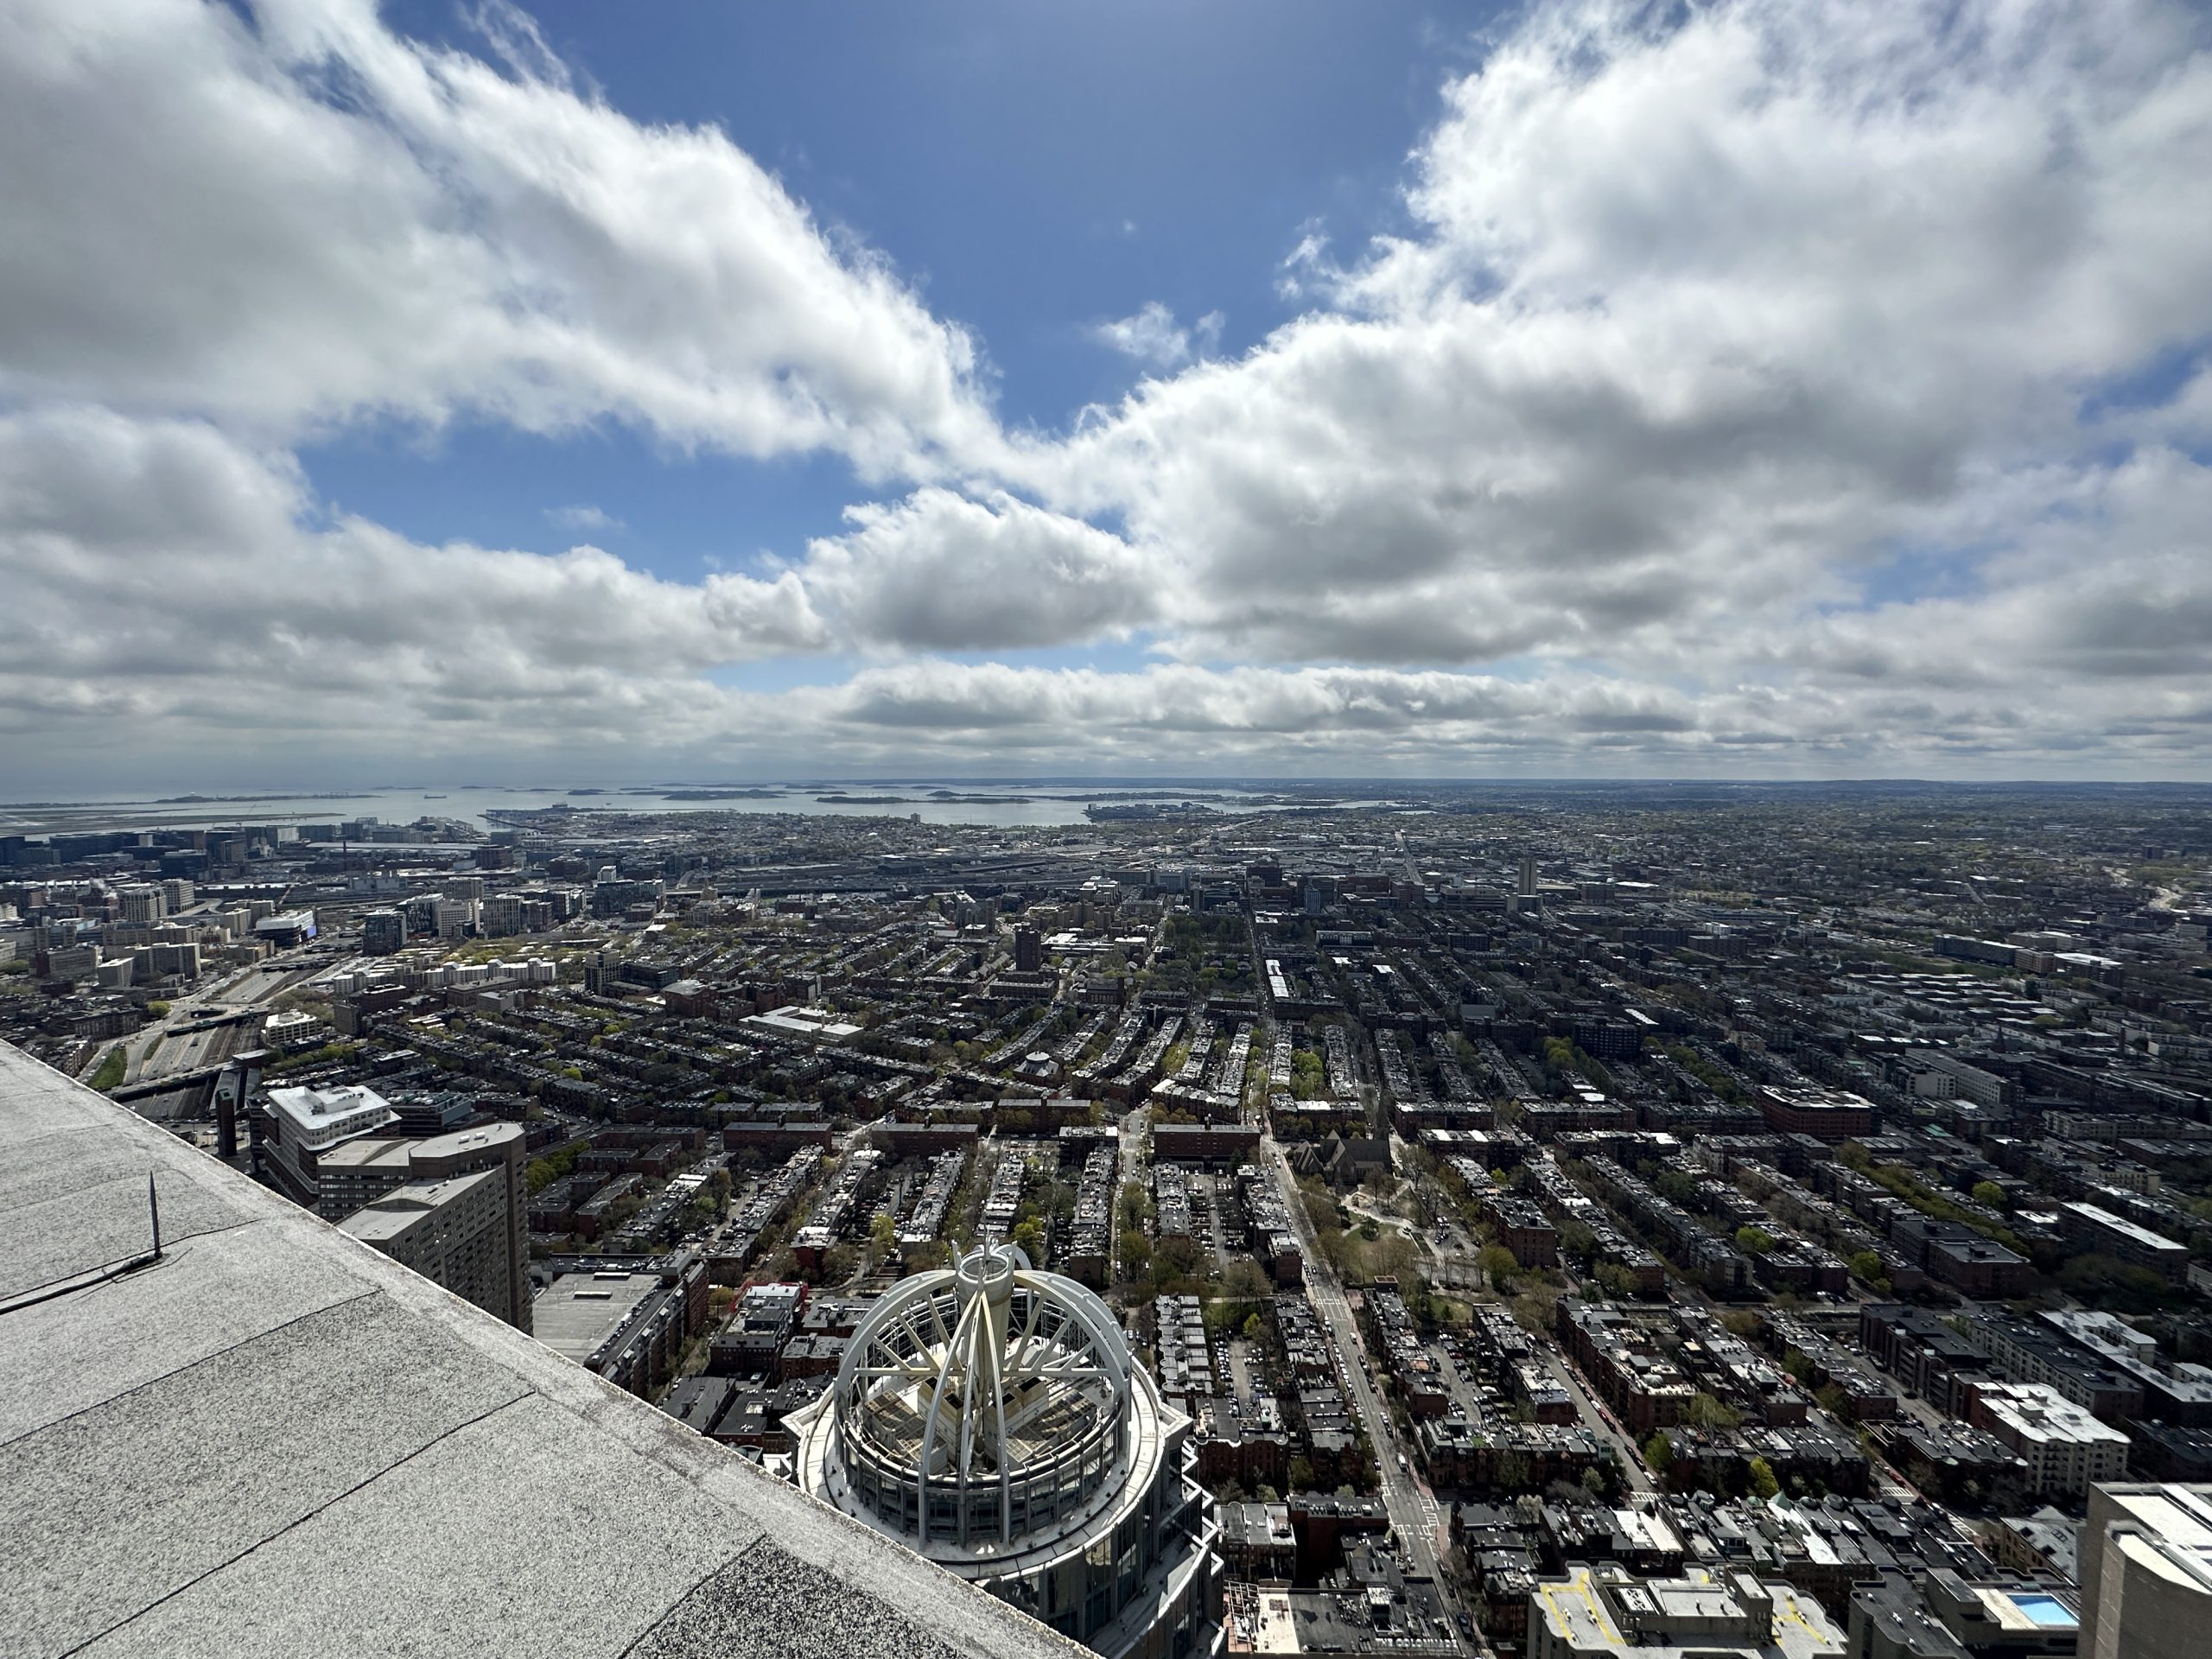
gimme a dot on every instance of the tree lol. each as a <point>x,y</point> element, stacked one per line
<point>1244,1282</point>
<point>1536,1307</point>
<point>1132,1206</point>
<point>1301,1475</point>
<point>1706,1412</point>
<point>1659,1452</point>
<point>1321,1209</point>
<point>1867,1265</point>
<point>1498,1264</point>
<point>1029,1234</point>
<point>1341,1250</point>
<point>1593,1481</point>
<point>1251,1327</point>
<point>1616,1279</point>
<point>882,1234</point>
<point>1676,1188</point>
<point>2100,1280</point>
<point>1763,1484</point>
<point>1989,1195</point>
<point>1394,1256</point>
<point>1754,1241</point>
<point>1173,1259</point>
<point>113,1064</point>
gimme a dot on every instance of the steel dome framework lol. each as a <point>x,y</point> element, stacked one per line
<point>981,1403</point>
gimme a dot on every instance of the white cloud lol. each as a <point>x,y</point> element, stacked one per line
<point>1741,393</point>
<point>941,572</point>
<point>159,568</point>
<point>297,223</point>
<point>1704,316</point>
<point>1154,339</point>
<point>513,35</point>
<point>582,516</point>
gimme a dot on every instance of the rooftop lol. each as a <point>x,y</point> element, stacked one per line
<point>401,1207</point>
<point>276,1441</point>
<point>1607,1612</point>
<point>321,1116</point>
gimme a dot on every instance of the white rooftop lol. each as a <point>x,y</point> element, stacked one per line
<point>322,1117</point>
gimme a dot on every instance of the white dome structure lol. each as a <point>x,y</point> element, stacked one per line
<point>990,1417</point>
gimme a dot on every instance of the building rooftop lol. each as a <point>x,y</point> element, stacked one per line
<point>321,1116</point>
<point>2038,1412</point>
<point>1606,1611</point>
<point>399,1209</point>
<point>276,1441</point>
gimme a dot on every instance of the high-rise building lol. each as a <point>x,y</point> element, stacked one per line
<point>2066,1449</point>
<point>141,907</point>
<point>1527,889</point>
<point>293,1128</point>
<point>2146,1572</point>
<point>505,1147</point>
<point>368,1172</point>
<point>1028,949</point>
<point>453,1230</point>
<point>383,932</point>
<point>991,1418</point>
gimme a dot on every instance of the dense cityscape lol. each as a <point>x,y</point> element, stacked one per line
<point>1550,1220</point>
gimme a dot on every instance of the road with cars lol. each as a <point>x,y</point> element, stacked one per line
<point>1415,1515</point>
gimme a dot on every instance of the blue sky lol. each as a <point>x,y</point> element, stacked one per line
<point>1779,388</point>
<point>1032,170</point>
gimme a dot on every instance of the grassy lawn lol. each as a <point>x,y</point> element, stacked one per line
<point>112,1065</point>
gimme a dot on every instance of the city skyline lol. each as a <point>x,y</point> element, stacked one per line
<point>464,393</point>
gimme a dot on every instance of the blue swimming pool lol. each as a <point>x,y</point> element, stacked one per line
<point>2046,1611</point>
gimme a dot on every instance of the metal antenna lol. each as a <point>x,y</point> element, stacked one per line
<point>154,1208</point>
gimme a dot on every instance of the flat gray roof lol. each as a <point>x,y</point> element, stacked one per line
<point>276,1441</point>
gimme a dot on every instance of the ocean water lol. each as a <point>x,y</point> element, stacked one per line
<point>1005,806</point>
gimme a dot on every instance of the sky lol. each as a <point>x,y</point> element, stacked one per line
<point>690,389</point>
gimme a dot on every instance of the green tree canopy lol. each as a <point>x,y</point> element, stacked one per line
<point>1763,1484</point>
<point>1499,1265</point>
<point>1706,1412</point>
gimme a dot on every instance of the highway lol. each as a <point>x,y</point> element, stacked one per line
<point>177,1054</point>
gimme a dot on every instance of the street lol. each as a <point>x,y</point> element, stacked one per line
<point>1414,1514</point>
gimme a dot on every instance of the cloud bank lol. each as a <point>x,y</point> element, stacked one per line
<point>1774,386</point>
